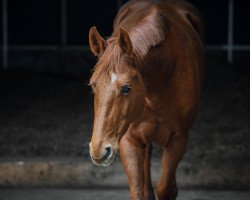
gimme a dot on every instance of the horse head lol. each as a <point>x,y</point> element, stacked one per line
<point>119,93</point>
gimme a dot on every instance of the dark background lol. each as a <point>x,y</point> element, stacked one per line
<point>35,35</point>
<point>46,106</point>
<point>39,22</point>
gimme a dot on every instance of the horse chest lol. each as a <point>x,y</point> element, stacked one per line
<point>163,134</point>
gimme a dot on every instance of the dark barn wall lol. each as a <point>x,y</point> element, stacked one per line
<point>242,17</point>
<point>34,22</point>
<point>39,23</point>
<point>82,16</point>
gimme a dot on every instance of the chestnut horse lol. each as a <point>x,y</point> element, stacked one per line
<point>147,85</point>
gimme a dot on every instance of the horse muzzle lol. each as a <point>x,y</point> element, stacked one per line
<point>107,159</point>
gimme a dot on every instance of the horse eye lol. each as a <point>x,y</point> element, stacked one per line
<point>125,89</point>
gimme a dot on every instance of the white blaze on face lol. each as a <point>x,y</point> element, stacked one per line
<point>113,77</point>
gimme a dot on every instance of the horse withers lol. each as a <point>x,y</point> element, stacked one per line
<point>147,85</point>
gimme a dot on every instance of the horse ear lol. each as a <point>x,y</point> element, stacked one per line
<point>96,42</point>
<point>125,42</point>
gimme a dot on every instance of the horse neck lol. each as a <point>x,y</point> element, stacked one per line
<point>157,69</point>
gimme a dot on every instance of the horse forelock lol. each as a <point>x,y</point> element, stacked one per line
<point>113,60</point>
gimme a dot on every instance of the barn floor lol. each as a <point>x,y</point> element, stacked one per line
<point>44,115</point>
<point>48,115</point>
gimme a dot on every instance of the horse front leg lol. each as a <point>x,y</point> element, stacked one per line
<point>172,154</point>
<point>132,153</point>
<point>148,189</point>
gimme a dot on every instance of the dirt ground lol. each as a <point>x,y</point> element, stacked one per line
<point>47,115</point>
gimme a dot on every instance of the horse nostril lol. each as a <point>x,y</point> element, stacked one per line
<point>108,153</point>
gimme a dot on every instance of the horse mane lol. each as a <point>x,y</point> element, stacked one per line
<point>147,33</point>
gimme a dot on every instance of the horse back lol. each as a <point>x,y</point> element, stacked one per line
<point>191,14</point>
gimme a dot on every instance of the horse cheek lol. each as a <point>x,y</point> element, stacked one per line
<point>125,108</point>
<point>137,108</point>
